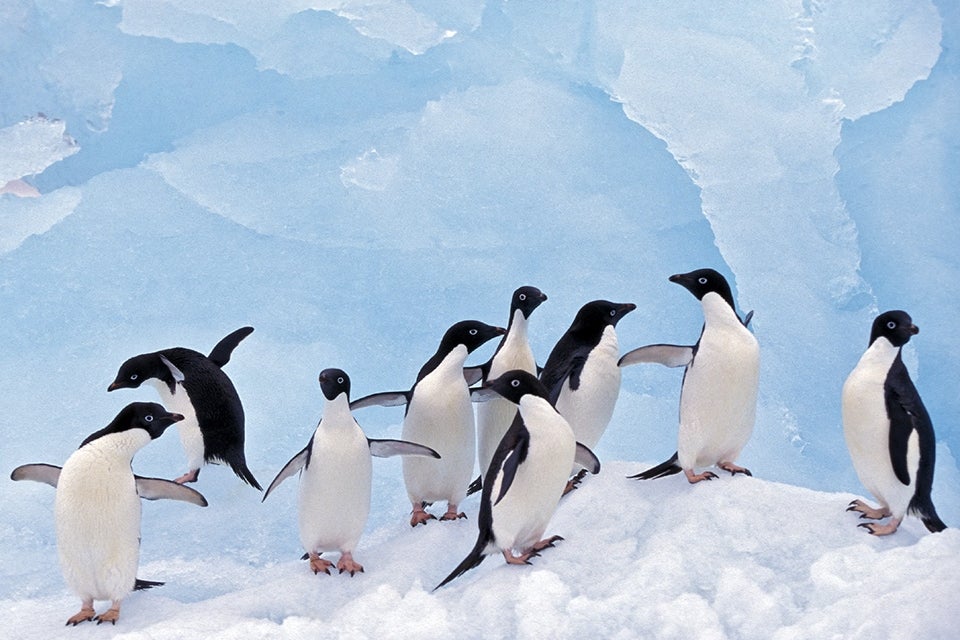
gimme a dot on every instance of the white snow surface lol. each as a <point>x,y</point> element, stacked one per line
<point>351,178</point>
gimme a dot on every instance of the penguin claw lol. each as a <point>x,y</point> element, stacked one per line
<point>83,615</point>
<point>453,516</point>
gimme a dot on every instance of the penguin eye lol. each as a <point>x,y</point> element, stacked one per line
<point>148,418</point>
<point>891,325</point>
<point>473,332</point>
<point>340,380</point>
<point>613,312</point>
<point>523,297</point>
<point>702,280</point>
<point>134,376</point>
<point>514,383</point>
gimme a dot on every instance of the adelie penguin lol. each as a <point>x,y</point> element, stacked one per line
<point>97,508</point>
<point>888,431</point>
<point>513,352</point>
<point>335,478</point>
<point>439,415</point>
<point>582,375</point>
<point>718,396</point>
<point>526,477</point>
<point>196,386</point>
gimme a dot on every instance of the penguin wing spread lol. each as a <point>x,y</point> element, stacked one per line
<point>160,489</point>
<point>295,464</point>
<point>383,399</point>
<point>907,413</point>
<point>587,459</point>
<point>220,355</point>
<point>45,473</point>
<point>669,355</point>
<point>387,448</point>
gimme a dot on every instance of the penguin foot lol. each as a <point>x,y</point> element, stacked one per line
<point>452,514</point>
<point>420,516</point>
<point>318,564</point>
<point>111,615</point>
<point>694,478</point>
<point>866,511</point>
<point>882,529</point>
<point>574,482</point>
<point>348,565</point>
<point>189,476</point>
<point>548,542</point>
<point>523,558</point>
<point>734,469</point>
<point>85,613</point>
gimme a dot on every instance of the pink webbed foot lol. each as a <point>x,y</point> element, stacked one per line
<point>694,478</point>
<point>547,543</point>
<point>318,564</point>
<point>348,565</point>
<point>452,513</point>
<point>523,558</point>
<point>866,511</point>
<point>189,476</point>
<point>111,615</point>
<point>882,529</point>
<point>574,482</point>
<point>734,469</point>
<point>85,613</point>
<point>420,516</point>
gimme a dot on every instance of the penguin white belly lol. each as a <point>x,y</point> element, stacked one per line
<point>866,429</point>
<point>495,415</point>
<point>520,519</point>
<point>718,401</point>
<point>588,409</point>
<point>97,513</point>
<point>189,427</point>
<point>440,416</point>
<point>334,494</point>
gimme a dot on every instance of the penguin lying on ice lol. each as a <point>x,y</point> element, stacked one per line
<point>97,508</point>
<point>196,386</point>
<point>335,479</point>
<point>527,475</point>
<point>888,430</point>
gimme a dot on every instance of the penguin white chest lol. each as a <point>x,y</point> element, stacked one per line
<point>97,513</point>
<point>334,493</point>
<point>589,407</point>
<point>189,428</point>
<point>866,429</point>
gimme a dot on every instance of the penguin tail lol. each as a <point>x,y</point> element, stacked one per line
<point>666,468</point>
<point>475,486</point>
<point>473,560</point>
<point>925,510</point>
<point>240,468</point>
<point>143,585</point>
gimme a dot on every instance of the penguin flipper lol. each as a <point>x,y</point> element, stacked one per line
<point>160,489</point>
<point>669,355</point>
<point>383,399</point>
<point>587,459</point>
<point>517,454</point>
<point>40,472</point>
<point>220,355</point>
<point>174,371</point>
<point>295,464</point>
<point>387,448</point>
<point>473,375</point>
<point>666,468</point>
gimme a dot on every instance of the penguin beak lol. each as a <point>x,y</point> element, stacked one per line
<point>914,329</point>
<point>176,417</point>
<point>113,386</point>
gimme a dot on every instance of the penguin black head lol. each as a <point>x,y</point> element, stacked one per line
<point>525,300</point>
<point>515,384</point>
<point>704,281</point>
<point>469,333</point>
<point>333,382</point>
<point>599,314</point>
<point>149,416</point>
<point>896,326</point>
<point>138,369</point>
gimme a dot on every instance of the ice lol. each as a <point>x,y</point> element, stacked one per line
<point>351,178</point>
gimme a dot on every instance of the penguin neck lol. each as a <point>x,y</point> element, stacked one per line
<point>880,355</point>
<point>516,330</point>
<point>447,364</point>
<point>718,311</point>
<point>336,412</point>
<point>121,444</point>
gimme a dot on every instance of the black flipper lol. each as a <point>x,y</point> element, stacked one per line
<point>220,355</point>
<point>662,470</point>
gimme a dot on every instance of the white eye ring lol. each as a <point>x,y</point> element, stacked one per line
<point>473,332</point>
<point>340,380</point>
<point>702,281</point>
<point>891,325</point>
<point>514,383</point>
<point>148,418</point>
<point>613,312</point>
<point>134,377</point>
<point>523,296</point>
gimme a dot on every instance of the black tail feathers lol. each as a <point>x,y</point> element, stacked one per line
<point>240,468</point>
<point>143,585</point>
<point>925,510</point>
<point>475,486</point>
<point>473,560</point>
<point>667,468</point>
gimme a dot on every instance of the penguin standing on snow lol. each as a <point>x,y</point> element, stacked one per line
<point>196,386</point>
<point>888,430</point>
<point>581,373</point>
<point>439,415</point>
<point>495,415</point>
<point>97,508</point>
<point>527,475</point>
<point>335,480</point>
<point>718,396</point>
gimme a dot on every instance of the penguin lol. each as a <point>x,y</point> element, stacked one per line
<point>581,373</point>
<point>494,416</point>
<point>888,431</point>
<point>196,386</point>
<point>97,508</point>
<point>335,478</point>
<point>718,395</point>
<point>439,415</point>
<point>527,475</point>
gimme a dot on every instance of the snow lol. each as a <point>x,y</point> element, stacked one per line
<point>353,177</point>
